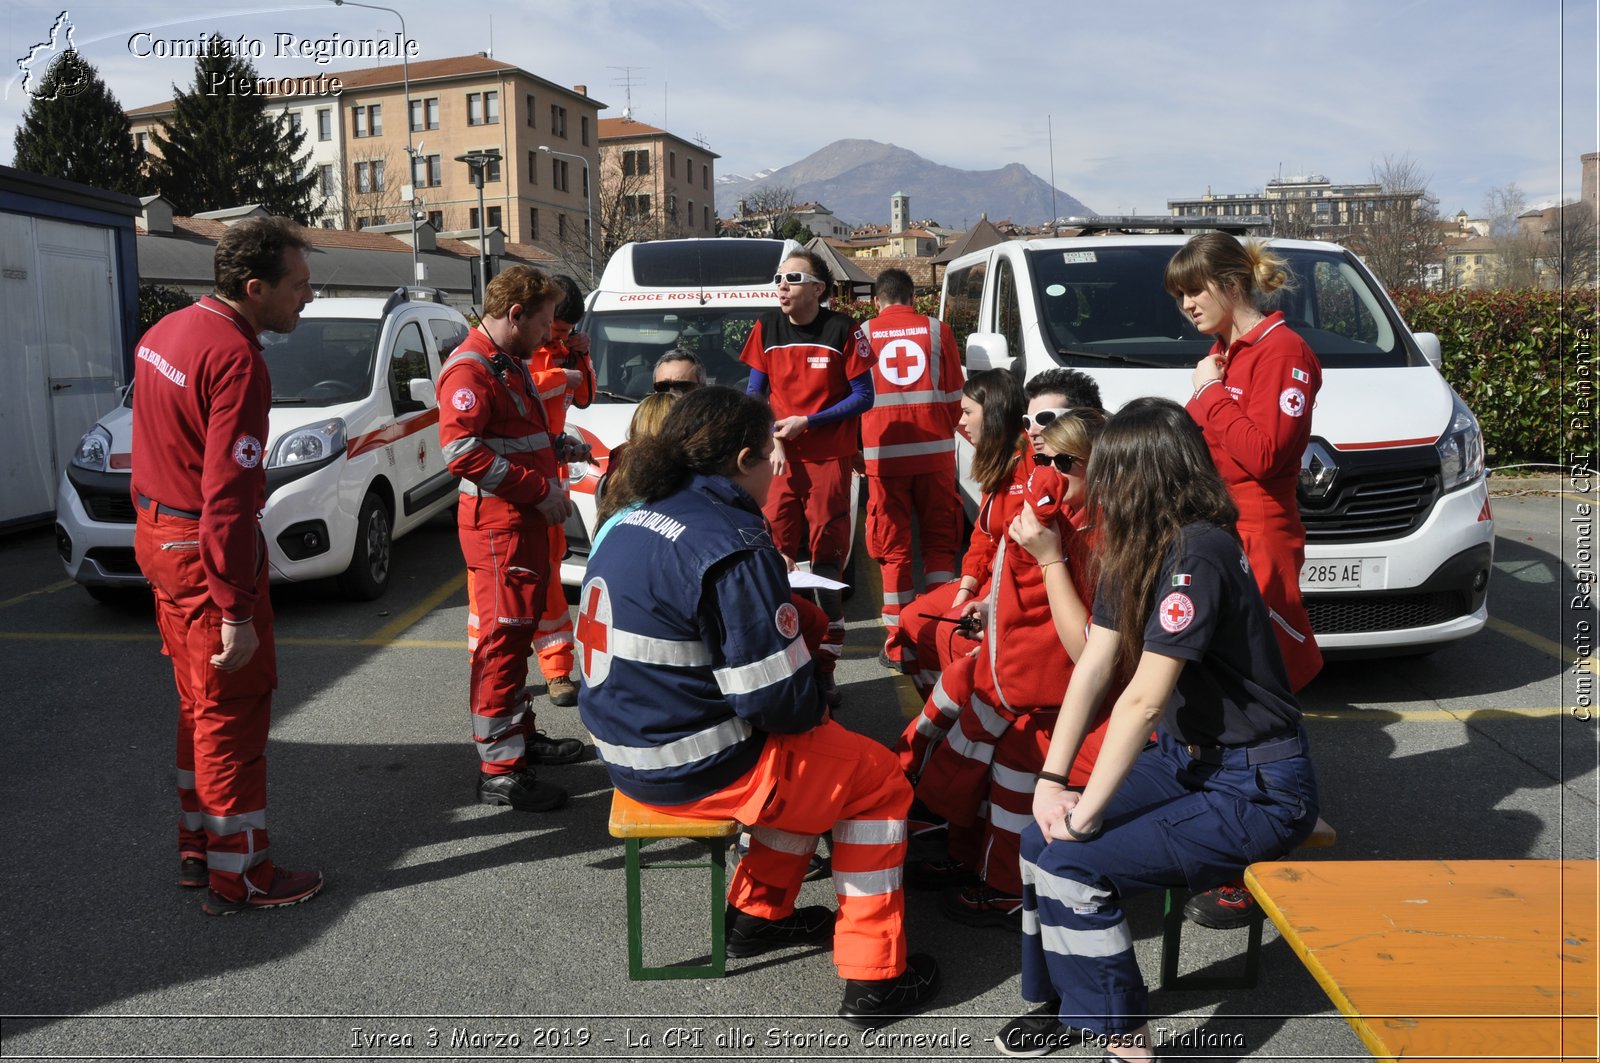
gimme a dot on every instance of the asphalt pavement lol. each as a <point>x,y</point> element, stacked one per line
<point>454,930</point>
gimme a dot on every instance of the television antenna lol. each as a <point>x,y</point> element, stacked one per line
<point>627,81</point>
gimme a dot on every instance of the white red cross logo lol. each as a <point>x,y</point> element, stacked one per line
<point>593,633</point>
<point>903,362</point>
<point>247,452</point>
<point>1292,402</point>
<point>1176,611</point>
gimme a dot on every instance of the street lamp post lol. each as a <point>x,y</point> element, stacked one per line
<point>477,162</point>
<point>588,205</point>
<point>411,156</point>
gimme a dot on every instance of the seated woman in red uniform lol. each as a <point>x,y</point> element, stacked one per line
<point>1253,398</point>
<point>983,734</point>
<point>991,420</point>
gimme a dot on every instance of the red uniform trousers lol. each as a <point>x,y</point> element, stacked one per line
<point>809,510</point>
<point>1274,540</point>
<point>828,778</point>
<point>936,643</point>
<point>507,569</point>
<point>552,639</point>
<point>892,503</point>
<point>223,717</point>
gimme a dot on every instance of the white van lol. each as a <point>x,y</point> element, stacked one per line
<point>700,294</point>
<point>1393,492</point>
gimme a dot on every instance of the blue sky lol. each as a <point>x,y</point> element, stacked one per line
<point>1147,99</point>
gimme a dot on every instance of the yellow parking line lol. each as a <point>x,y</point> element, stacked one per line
<point>394,628</point>
<point>1565,654</point>
<point>61,586</point>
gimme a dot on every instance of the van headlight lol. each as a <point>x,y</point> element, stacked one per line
<point>94,450</point>
<point>1460,449</point>
<point>309,445</point>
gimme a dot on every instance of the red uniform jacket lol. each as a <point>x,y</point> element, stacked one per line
<point>809,369</point>
<point>199,433</point>
<point>917,381</point>
<point>995,513</point>
<point>494,433</point>
<point>548,368</point>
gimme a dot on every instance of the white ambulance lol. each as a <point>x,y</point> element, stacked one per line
<point>702,295</point>
<point>1393,491</point>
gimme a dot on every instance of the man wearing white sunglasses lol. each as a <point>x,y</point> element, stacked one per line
<point>1051,394</point>
<point>815,369</point>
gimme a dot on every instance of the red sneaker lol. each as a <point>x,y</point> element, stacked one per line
<point>1226,907</point>
<point>981,906</point>
<point>288,887</point>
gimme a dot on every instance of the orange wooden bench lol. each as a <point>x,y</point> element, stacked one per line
<point>638,825</point>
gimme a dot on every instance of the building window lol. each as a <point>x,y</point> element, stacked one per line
<point>368,222</point>
<point>324,123</point>
<point>690,214</point>
<point>561,226</point>
<point>558,121</point>
<point>296,122</point>
<point>533,223</point>
<point>672,164</point>
<point>142,141</point>
<point>436,218</point>
<point>530,112</point>
<point>635,208</point>
<point>491,172</point>
<point>425,114</point>
<point>368,120</point>
<point>636,163</point>
<point>705,175</point>
<point>325,179</point>
<point>533,167</point>
<point>583,121</point>
<point>472,217</point>
<point>369,176</point>
<point>586,184</point>
<point>705,215</point>
<point>494,217</point>
<point>427,171</point>
<point>483,108</point>
<point>327,223</point>
<point>558,175</point>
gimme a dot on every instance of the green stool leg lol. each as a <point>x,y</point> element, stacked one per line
<point>718,866</point>
<point>719,906</point>
<point>636,970</point>
<point>1171,937</point>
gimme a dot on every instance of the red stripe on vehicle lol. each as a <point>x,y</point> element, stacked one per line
<point>1386,443</point>
<point>392,433</point>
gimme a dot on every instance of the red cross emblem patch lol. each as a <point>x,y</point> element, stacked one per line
<point>247,452</point>
<point>788,620</point>
<point>1292,402</point>
<point>903,362</point>
<point>1176,612</point>
<point>594,632</point>
<point>464,399</point>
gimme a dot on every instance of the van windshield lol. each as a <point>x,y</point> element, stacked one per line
<point>322,362</point>
<point>625,344</point>
<point>1109,303</point>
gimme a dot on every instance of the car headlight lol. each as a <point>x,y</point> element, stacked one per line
<point>94,450</point>
<point>313,443</point>
<point>1460,449</point>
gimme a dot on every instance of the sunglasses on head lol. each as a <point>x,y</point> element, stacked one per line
<point>794,276</point>
<point>680,386</point>
<point>1063,462</point>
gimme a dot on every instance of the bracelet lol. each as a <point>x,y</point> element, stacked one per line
<point>1202,387</point>
<point>1050,776</point>
<point>1046,564</point>
<point>1081,835</point>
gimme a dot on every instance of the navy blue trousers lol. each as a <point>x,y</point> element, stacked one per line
<point>1173,822</point>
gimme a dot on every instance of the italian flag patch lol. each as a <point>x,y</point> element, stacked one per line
<point>1182,580</point>
<point>1300,375</point>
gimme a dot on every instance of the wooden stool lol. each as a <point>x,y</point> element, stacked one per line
<point>1172,920</point>
<point>639,824</point>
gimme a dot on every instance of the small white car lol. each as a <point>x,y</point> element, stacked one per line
<point>353,456</point>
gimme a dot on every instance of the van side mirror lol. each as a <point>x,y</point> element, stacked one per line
<point>422,390</point>
<point>987,350</point>
<point>1429,342</point>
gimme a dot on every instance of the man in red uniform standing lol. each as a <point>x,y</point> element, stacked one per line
<point>199,479</point>
<point>563,377</point>
<point>908,440</point>
<point>493,430</point>
<point>816,372</point>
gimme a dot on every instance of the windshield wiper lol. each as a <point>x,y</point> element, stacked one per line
<point>288,400</point>
<point>614,397</point>
<point>1120,359</point>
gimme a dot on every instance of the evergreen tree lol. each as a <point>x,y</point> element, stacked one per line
<point>75,130</point>
<point>224,149</point>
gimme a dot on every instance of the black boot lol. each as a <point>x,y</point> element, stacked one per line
<point>751,935</point>
<point>521,791</point>
<point>870,1004</point>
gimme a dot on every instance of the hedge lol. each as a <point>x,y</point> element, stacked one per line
<point>1524,362</point>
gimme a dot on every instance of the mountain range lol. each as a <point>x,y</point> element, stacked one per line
<point>856,178</point>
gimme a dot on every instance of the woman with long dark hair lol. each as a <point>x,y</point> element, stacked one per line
<point>1229,781</point>
<point>991,420</point>
<point>700,693</point>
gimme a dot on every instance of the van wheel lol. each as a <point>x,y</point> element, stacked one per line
<point>368,575</point>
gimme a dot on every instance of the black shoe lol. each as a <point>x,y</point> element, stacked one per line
<point>870,1004</point>
<point>563,691</point>
<point>542,749</point>
<point>1227,907</point>
<point>1038,1033</point>
<point>938,874</point>
<point>521,791</point>
<point>751,935</point>
<point>981,906</point>
<point>902,667</point>
<point>192,872</point>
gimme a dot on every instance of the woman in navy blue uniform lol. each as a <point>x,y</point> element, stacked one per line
<point>1228,781</point>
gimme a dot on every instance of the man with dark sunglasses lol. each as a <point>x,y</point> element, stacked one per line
<point>815,369</point>
<point>679,370</point>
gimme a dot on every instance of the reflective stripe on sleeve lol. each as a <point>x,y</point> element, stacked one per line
<point>928,729</point>
<point>867,883</point>
<point>556,638</point>
<point>909,450</point>
<point>869,832</point>
<point>749,678</point>
<point>646,649</point>
<point>684,751</point>
<point>495,476</point>
<point>785,841</point>
<point>519,444</point>
<point>457,447</point>
<point>237,822</point>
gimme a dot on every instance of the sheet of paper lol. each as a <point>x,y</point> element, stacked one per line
<point>802,580</point>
